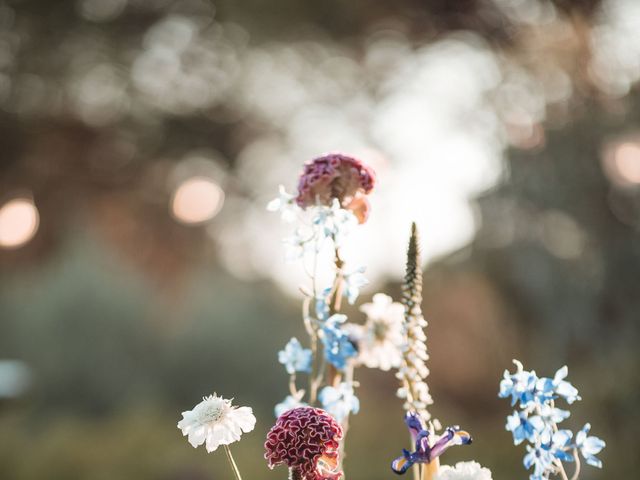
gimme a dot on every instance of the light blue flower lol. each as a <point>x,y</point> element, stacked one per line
<point>563,388</point>
<point>287,404</point>
<point>285,204</point>
<point>548,388</point>
<point>520,386</point>
<point>333,222</point>
<point>340,401</point>
<point>295,358</point>
<point>298,244</point>
<point>589,446</point>
<point>551,414</point>
<point>561,445</point>
<point>338,348</point>
<point>541,460</point>
<point>322,307</point>
<point>353,281</point>
<point>528,428</point>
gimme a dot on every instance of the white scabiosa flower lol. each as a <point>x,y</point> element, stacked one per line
<point>215,422</point>
<point>463,471</point>
<point>381,339</point>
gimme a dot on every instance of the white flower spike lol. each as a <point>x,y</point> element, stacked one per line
<point>215,422</point>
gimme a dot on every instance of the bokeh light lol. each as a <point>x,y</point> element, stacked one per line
<point>19,220</point>
<point>621,162</point>
<point>627,161</point>
<point>197,200</point>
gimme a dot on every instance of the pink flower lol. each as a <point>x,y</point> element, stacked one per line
<point>337,176</point>
<point>306,439</point>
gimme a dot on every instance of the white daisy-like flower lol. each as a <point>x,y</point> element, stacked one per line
<point>216,422</point>
<point>381,338</point>
<point>463,471</point>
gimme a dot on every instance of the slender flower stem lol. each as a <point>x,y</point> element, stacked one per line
<point>561,470</point>
<point>345,422</point>
<point>576,472</point>
<point>292,385</point>
<point>234,467</point>
<point>417,469</point>
<point>430,469</point>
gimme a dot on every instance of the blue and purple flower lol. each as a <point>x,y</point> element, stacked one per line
<point>426,450</point>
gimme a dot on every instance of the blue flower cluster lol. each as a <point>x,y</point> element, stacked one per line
<point>295,358</point>
<point>537,419</point>
<point>338,348</point>
<point>339,401</point>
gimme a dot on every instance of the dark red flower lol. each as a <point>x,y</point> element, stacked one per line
<point>337,176</point>
<point>306,439</point>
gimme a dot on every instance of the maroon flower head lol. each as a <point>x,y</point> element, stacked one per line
<point>306,439</point>
<point>337,176</point>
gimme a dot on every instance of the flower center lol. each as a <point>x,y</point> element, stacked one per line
<point>380,330</point>
<point>211,411</point>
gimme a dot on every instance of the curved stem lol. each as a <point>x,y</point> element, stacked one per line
<point>234,467</point>
<point>561,470</point>
<point>576,457</point>
<point>292,385</point>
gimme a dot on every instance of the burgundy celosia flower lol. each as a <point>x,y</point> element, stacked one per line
<point>306,439</point>
<point>337,176</point>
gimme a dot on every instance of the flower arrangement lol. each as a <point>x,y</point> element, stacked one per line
<point>312,421</point>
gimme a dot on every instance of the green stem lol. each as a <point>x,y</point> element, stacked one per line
<point>234,467</point>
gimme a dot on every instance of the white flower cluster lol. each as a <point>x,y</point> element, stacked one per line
<point>463,471</point>
<point>380,339</point>
<point>414,371</point>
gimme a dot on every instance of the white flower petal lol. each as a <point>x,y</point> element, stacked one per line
<point>244,417</point>
<point>197,436</point>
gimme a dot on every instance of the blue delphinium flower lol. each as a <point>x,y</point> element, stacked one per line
<point>353,281</point>
<point>295,358</point>
<point>519,385</point>
<point>287,404</point>
<point>589,447</point>
<point>552,414</point>
<point>560,445</point>
<point>538,418</point>
<point>338,348</point>
<point>557,387</point>
<point>524,427</point>
<point>542,461</point>
<point>339,401</point>
<point>333,222</point>
<point>425,451</point>
<point>285,204</point>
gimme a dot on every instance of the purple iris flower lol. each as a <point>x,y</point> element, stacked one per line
<point>426,451</point>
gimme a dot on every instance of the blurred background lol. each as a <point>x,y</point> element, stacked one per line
<point>140,141</point>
